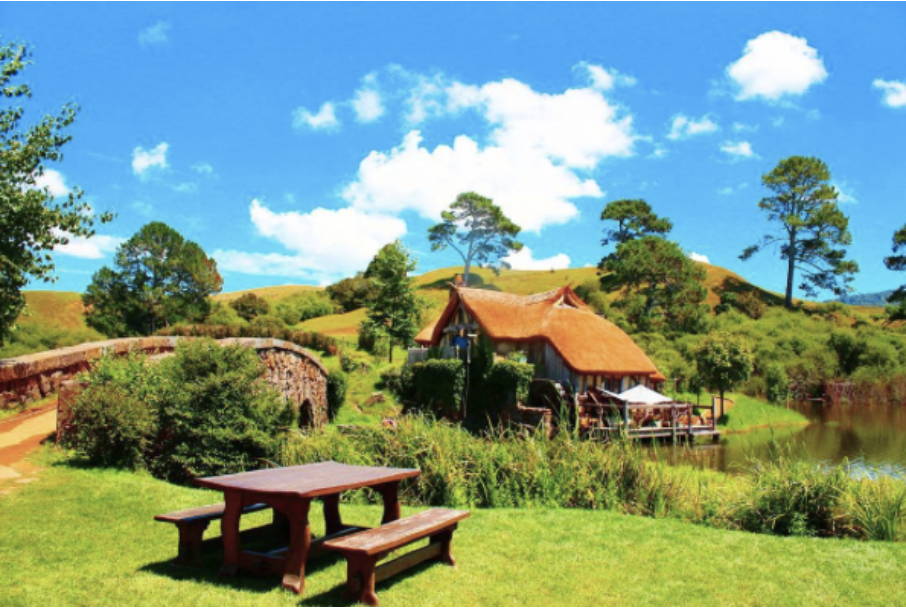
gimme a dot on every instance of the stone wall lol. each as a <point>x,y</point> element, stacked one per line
<point>296,372</point>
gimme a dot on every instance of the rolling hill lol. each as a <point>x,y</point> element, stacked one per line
<point>61,313</point>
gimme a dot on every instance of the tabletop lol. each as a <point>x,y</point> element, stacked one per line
<point>308,480</point>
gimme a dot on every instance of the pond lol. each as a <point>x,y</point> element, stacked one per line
<point>870,438</point>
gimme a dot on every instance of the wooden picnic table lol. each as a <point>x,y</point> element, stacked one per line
<point>290,491</point>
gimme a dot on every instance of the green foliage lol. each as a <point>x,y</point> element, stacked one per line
<point>634,219</point>
<point>790,496</point>
<point>398,379</point>
<point>396,309</point>
<point>777,384</point>
<point>204,411</point>
<point>114,419</point>
<point>354,361</point>
<point>812,230</point>
<point>478,231</point>
<point>723,361</point>
<point>897,308</point>
<point>250,305</point>
<point>337,387</point>
<point>223,314</point>
<point>373,339</point>
<point>508,383</point>
<point>662,287</point>
<point>32,338</point>
<point>353,293</point>
<point>32,220</point>
<point>752,304</point>
<point>305,339</point>
<point>267,326</point>
<point>849,348</point>
<point>305,306</point>
<point>161,279</point>
<point>437,387</point>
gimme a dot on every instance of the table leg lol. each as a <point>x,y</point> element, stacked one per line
<point>332,519</point>
<point>229,530</point>
<point>390,494</point>
<point>299,545</point>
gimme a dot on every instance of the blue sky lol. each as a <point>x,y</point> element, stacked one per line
<point>292,140</point>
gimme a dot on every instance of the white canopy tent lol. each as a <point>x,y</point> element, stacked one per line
<point>643,395</point>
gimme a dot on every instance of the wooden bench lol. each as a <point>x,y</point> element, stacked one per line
<point>192,523</point>
<point>363,550</point>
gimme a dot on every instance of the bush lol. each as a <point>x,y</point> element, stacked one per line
<point>250,305</point>
<point>337,386</point>
<point>438,386</point>
<point>305,339</point>
<point>114,419</point>
<point>372,340</point>
<point>224,315</point>
<point>752,304</point>
<point>204,411</point>
<point>267,326</point>
<point>398,379</point>
<point>777,384</point>
<point>354,361</point>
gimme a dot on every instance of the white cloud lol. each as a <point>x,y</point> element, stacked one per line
<point>523,260</point>
<point>53,181</point>
<point>143,160</point>
<point>740,127</point>
<point>728,190</point>
<point>203,168</point>
<point>577,127</point>
<point>155,34</point>
<point>683,126</point>
<point>845,194</point>
<point>94,248</point>
<point>742,149</point>
<point>776,64</point>
<point>426,96</point>
<point>186,187</point>
<point>326,118</point>
<point>698,257</point>
<point>367,105</point>
<point>530,189</point>
<point>894,92</point>
<point>603,79</point>
<point>324,242</point>
<point>460,96</point>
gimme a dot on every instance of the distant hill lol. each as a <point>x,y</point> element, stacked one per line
<point>878,298</point>
<point>61,312</point>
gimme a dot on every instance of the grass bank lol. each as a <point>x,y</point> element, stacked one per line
<point>750,413</point>
<point>86,537</point>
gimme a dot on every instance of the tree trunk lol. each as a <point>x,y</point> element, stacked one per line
<point>465,274</point>
<point>790,273</point>
<point>391,351</point>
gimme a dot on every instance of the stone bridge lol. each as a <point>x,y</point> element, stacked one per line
<point>295,371</point>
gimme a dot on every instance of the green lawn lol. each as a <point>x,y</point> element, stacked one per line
<point>86,537</point>
<point>750,413</point>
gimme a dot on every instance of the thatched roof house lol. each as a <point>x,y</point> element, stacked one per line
<point>556,330</point>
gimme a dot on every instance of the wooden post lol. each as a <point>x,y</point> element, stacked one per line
<point>673,422</point>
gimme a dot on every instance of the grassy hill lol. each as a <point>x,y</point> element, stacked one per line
<point>56,318</point>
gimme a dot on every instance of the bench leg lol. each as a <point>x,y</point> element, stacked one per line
<point>445,539</point>
<point>360,580</point>
<point>191,535</point>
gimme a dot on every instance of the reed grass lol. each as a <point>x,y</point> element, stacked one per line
<point>786,495</point>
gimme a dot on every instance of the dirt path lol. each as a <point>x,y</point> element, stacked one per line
<point>19,436</point>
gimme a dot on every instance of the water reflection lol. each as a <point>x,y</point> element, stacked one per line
<point>871,438</point>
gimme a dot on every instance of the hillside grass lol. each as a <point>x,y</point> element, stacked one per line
<point>273,295</point>
<point>87,537</point>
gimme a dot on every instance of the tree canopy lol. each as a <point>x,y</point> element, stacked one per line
<point>724,360</point>
<point>250,305</point>
<point>160,279</point>
<point>812,230</point>
<point>352,293</point>
<point>897,308</point>
<point>395,310</point>
<point>634,219</point>
<point>33,219</point>
<point>478,231</point>
<point>662,287</point>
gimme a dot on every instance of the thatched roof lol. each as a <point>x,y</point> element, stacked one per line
<point>588,343</point>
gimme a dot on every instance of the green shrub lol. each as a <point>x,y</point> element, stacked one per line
<point>752,304</point>
<point>204,411</point>
<point>353,361</point>
<point>114,419</point>
<point>398,379</point>
<point>372,340</point>
<point>250,305</point>
<point>224,315</point>
<point>777,384</point>
<point>337,387</point>
<point>267,326</point>
<point>219,415</point>
<point>438,386</point>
